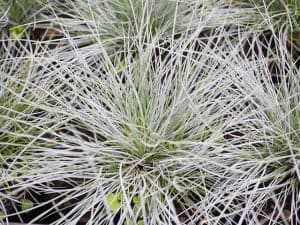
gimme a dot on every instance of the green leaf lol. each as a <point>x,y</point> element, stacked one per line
<point>114,201</point>
<point>21,107</point>
<point>17,32</point>
<point>130,222</point>
<point>137,200</point>
<point>26,204</point>
<point>2,215</point>
<point>140,222</point>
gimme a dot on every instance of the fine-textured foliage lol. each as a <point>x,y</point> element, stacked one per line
<point>117,25</point>
<point>23,123</point>
<point>268,140</point>
<point>146,112</point>
<point>281,15</point>
<point>146,139</point>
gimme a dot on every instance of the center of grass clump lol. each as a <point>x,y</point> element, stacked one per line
<point>146,147</point>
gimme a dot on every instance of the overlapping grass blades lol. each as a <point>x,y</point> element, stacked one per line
<point>153,112</point>
<point>151,131</point>
<point>25,118</point>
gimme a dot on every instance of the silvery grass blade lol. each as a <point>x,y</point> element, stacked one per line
<point>146,141</point>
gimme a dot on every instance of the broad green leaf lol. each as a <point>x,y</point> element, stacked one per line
<point>17,32</point>
<point>140,222</point>
<point>121,66</point>
<point>26,204</point>
<point>2,215</point>
<point>114,201</point>
<point>137,200</point>
<point>130,222</point>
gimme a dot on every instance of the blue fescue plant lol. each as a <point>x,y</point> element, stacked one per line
<point>133,24</point>
<point>269,138</point>
<point>146,142</point>
<point>278,157</point>
<point>153,112</point>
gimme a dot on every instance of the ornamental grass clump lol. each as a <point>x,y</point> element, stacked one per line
<point>146,141</point>
<point>126,24</point>
<point>152,112</point>
<point>268,144</point>
<point>277,159</point>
